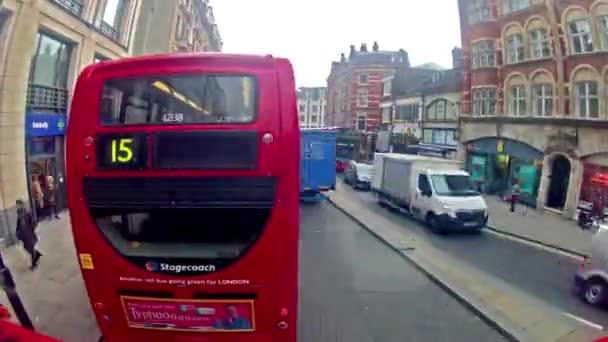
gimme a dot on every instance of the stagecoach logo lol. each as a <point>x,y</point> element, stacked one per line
<point>151,266</point>
<point>164,267</point>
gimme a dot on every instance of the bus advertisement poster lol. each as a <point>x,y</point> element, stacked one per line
<point>189,315</point>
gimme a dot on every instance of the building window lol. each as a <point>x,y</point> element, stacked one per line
<point>302,119</point>
<point>51,62</point>
<point>386,114</point>
<point>427,136</point>
<point>483,54</point>
<point>363,79</point>
<point>515,48</point>
<point>302,108</point>
<point>313,119</point>
<point>314,108</point>
<point>362,98</point>
<point>603,30</point>
<point>73,6</point>
<point>479,11</point>
<point>437,110</point>
<point>407,113</point>
<point>484,101</point>
<point>361,121</point>
<point>509,6</point>
<point>540,44</point>
<point>517,100</point>
<point>542,99</point>
<point>587,100</point>
<point>386,88</point>
<point>450,138</point>
<point>113,18</point>
<point>580,36</point>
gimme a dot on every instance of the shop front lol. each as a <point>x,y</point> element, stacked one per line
<point>594,187</point>
<point>495,164</point>
<point>45,155</point>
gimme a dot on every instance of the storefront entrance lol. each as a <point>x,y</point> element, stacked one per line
<point>558,183</point>
<point>44,157</point>
<point>495,164</point>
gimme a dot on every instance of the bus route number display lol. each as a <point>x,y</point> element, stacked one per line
<point>121,151</point>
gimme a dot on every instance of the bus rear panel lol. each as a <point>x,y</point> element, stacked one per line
<point>183,180</point>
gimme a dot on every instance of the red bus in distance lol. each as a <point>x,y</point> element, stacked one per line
<point>182,178</point>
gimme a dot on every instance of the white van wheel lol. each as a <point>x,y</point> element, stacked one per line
<point>595,292</point>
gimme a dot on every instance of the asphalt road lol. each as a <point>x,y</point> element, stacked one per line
<point>546,275</point>
<point>354,288</point>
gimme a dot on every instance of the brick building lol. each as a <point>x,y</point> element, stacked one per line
<point>354,87</point>
<point>535,98</point>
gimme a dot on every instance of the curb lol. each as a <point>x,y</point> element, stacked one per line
<point>493,323</point>
<point>538,242</point>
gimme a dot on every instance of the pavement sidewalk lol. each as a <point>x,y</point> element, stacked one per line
<point>538,226</point>
<point>518,315</point>
<point>54,295</point>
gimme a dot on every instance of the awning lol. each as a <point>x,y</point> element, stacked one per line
<point>433,148</point>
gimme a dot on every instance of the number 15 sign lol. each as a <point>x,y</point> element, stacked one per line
<point>125,151</point>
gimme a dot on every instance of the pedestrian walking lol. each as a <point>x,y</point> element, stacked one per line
<point>515,192</point>
<point>50,199</point>
<point>26,233</point>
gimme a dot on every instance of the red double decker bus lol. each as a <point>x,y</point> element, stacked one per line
<point>183,176</point>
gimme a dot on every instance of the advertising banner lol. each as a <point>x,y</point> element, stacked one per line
<point>189,315</point>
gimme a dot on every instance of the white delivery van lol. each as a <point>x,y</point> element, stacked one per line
<point>434,190</point>
<point>591,279</point>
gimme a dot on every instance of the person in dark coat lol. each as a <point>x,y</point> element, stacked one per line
<point>26,233</point>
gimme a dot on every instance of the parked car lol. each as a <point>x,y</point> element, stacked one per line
<point>358,175</point>
<point>591,279</point>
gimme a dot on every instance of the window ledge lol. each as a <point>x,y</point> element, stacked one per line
<point>485,68</point>
<point>493,20</point>
<point>595,52</point>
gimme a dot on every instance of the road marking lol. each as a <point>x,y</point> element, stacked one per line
<point>584,321</point>
<point>577,258</point>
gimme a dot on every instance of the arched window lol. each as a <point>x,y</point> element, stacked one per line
<point>579,31</point>
<point>539,39</point>
<point>585,93</point>
<point>438,110</point>
<point>483,54</point>
<point>514,44</point>
<point>542,94</point>
<point>516,95</point>
<point>600,14</point>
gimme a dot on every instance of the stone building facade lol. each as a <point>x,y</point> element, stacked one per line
<point>176,26</point>
<point>535,100</point>
<point>44,45</point>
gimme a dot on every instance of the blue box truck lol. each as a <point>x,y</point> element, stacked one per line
<point>317,162</point>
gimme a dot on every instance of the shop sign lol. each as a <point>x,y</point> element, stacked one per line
<point>40,125</point>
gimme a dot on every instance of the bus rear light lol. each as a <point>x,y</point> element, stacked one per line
<point>284,312</point>
<point>282,325</point>
<point>88,141</point>
<point>267,138</point>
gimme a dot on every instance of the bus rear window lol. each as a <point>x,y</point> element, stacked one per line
<point>183,99</point>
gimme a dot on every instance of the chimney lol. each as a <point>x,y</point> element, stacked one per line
<point>456,58</point>
<point>375,47</point>
<point>352,51</point>
<point>363,47</point>
<point>342,58</point>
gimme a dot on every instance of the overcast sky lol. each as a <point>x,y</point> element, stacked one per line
<point>312,33</point>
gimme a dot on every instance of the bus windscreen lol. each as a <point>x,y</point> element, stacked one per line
<point>178,99</point>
